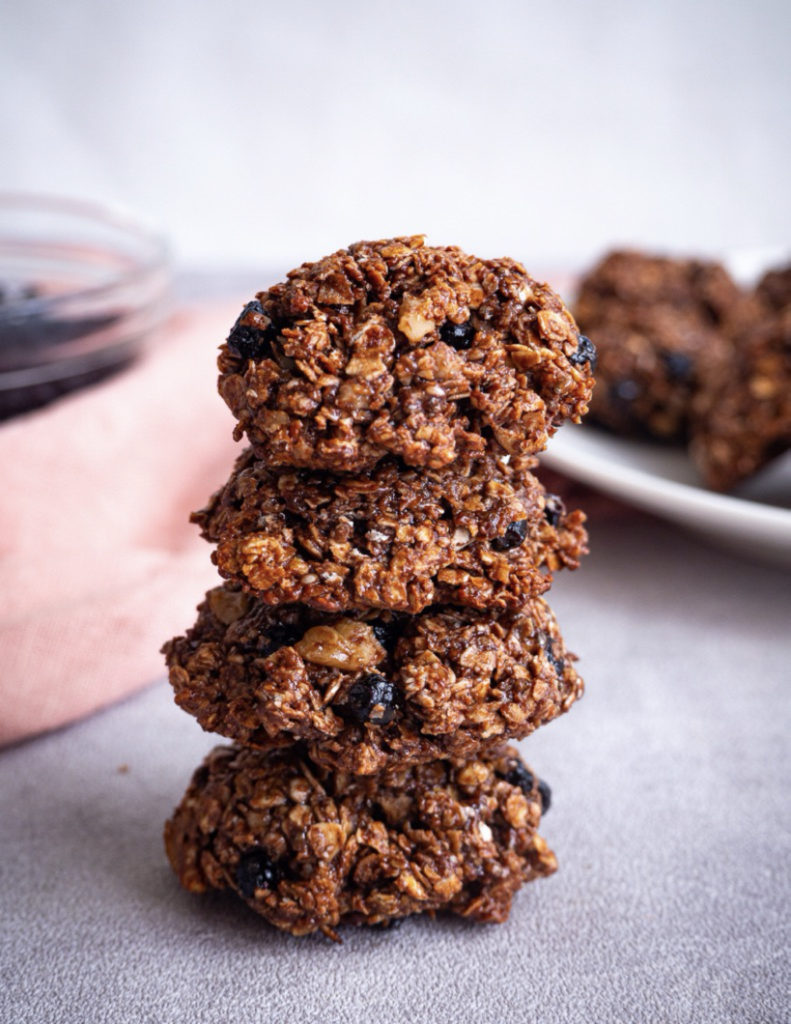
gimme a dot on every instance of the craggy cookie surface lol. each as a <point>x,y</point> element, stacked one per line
<point>309,850</point>
<point>397,347</point>
<point>482,533</point>
<point>365,694</point>
<point>660,325</point>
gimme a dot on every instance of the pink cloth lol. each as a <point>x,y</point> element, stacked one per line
<point>98,562</point>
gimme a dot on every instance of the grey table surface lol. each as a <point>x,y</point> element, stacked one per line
<point>670,821</point>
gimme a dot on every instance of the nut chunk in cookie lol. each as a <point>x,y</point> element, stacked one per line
<point>365,694</point>
<point>310,850</point>
<point>395,347</point>
<point>481,533</point>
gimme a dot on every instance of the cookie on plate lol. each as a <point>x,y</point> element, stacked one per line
<point>310,850</point>
<point>660,325</point>
<point>395,347</point>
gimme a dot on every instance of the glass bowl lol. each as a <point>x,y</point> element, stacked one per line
<point>80,289</point>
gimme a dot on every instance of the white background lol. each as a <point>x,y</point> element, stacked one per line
<point>257,134</point>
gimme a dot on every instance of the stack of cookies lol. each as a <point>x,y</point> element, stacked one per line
<point>381,633</point>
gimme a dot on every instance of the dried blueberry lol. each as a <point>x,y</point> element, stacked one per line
<point>548,646</point>
<point>387,633</point>
<point>513,536</point>
<point>279,636</point>
<point>248,341</point>
<point>371,699</point>
<point>256,870</point>
<point>553,509</point>
<point>458,335</point>
<point>381,632</point>
<point>586,353</point>
<point>678,365</point>
<point>518,775</point>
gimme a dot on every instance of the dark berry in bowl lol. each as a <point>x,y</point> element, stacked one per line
<point>81,290</point>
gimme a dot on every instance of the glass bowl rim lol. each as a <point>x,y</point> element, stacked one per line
<point>154,257</point>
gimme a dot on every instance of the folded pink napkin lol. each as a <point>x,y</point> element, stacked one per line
<point>98,562</point>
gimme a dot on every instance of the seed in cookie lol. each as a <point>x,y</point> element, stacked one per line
<point>548,644</point>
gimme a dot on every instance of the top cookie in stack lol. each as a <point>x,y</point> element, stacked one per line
<point>395,347</point>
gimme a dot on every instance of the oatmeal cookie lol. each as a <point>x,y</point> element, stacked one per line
<point>310,850</point>
<point>659,326</point>
<point>482,533</point>
<point>397,347</point>
<point>774,289</point>
<point>743,416</point>
<point>366,693</point>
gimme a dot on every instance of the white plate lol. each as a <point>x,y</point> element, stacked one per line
<point>755,522</point>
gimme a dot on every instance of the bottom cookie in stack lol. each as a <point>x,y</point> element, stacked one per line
<point>310,849</point>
